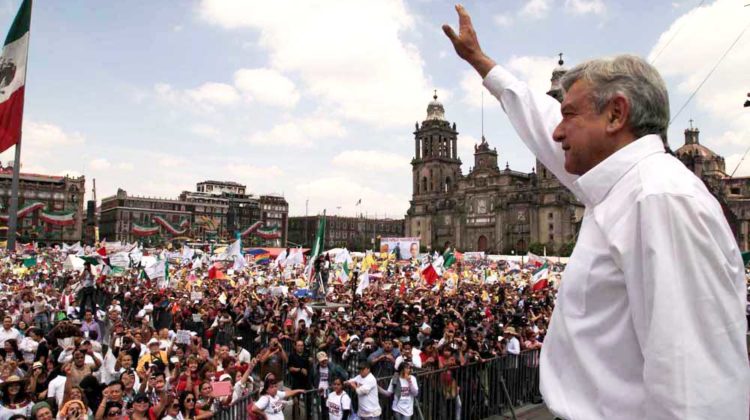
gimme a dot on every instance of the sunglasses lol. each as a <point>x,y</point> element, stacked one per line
<point>114,413</point>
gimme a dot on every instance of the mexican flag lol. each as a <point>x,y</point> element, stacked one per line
<point>13,77</point>
<point>539,278</point>
<point>58,218</point>
<point>345,272</point>
<point>268,233</point>
<point>24,211</point>
<point>252,228</point>
<point>139,230</point>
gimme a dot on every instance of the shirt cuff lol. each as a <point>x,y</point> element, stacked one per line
<point>498,79</point>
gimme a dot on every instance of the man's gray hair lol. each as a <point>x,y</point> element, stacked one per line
<point>633,78</point>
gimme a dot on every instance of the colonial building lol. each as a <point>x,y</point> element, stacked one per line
<point>354,233</point>
<point>732,192</point>
<point>131,218</point>
<point>50,208</point>
<point>488,209</point>
<point>217,210</point>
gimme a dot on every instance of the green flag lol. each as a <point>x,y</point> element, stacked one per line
<point>29,262</point>
<point>448,258</point>
<point>317,247</point>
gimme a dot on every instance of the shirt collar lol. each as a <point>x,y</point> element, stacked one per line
<point>596,183</point>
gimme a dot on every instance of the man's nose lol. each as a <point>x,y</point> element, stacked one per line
<point>559,134</point>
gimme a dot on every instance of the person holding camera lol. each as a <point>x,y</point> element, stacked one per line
<point>272,360</point>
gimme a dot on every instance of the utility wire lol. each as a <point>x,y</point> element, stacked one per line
<point>692,95</point>
<point>740,162</point>
<point>673,36</point>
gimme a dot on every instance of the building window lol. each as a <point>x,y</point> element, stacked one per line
<point>550,216</point>
<point>551,226</point>
<point>551,237</point>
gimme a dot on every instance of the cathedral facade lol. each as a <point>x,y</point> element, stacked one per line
<point>489,209</point>
<point>507,211</point>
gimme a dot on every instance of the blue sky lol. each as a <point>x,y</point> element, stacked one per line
<point>318,99</point>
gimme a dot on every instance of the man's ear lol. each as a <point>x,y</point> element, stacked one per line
<point>618,113</point>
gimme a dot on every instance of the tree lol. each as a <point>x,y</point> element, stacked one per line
<point>537,248</point>
<point>566,249</point>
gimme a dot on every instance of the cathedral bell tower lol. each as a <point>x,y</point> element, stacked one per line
<point>436,166</point>
<point>436,169</point>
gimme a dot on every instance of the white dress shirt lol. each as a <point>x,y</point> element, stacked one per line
<point>649,321</point>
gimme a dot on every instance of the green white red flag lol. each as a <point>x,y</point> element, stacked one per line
<point>13,77</point>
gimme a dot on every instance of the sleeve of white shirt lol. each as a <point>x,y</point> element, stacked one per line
<point>416,361</point>
<point>534,116</point>
<point>366,386</point>
<point>685,284</point>
<point>514,347</point>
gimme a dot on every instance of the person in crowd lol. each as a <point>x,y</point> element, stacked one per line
<point>338,404</point>
<point>366,387</point>
<point>606,141</point>
<point>403,389</point>
<point>15,399</point>
<point>272,400</point>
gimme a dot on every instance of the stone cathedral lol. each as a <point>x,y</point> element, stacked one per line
<point>506,211</point>
<point>489,209</point>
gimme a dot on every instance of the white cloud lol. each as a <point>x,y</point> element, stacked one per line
<point>302,133</point>
<point>535,9</point>
<point>213,93</point>
<point>168,161</point>
<point>582,7</point>
<point>472,88</point>
<point>251,172</point>
<point>370,159</point>
<point>503,19</point>
<point>707,33</point>
<point>125,166</point>
<point>177,28</point>
<point>733,160</point>
<point>44,135</point>
<point>99,164</point>
<point>731,139</point>
<point>205,130</point>
<point>206,96</point>
<point>534,70</point>
<point>349,54</point>
<point>466,145</point>
<point>267,86</point>
<point>338,191</point>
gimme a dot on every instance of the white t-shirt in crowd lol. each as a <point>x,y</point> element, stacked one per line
<point>273,407</point>
<point>404,403</point>
<point>367,396</point>
<point>323,384</point>
<point>336,404</point>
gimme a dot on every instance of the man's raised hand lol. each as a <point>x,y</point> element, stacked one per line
<point>466,43</point>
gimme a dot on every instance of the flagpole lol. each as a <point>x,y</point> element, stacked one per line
<point>13,211</point>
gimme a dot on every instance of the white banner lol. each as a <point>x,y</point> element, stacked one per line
<point>120,259</point>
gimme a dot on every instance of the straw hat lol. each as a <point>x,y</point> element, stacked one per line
<point>511,331</point>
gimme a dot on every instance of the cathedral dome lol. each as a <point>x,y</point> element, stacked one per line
<point>435,110</point>
<point>695,149</point>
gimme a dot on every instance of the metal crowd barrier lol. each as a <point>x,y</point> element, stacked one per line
<point>471,392</point>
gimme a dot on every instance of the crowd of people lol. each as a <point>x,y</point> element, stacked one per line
<point>98,343</point>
